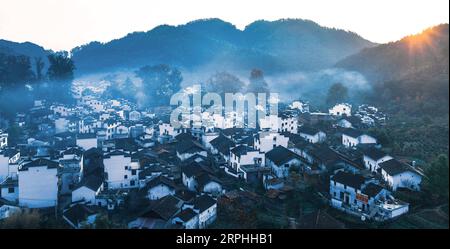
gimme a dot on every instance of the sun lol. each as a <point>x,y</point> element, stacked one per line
<point>421,42</point>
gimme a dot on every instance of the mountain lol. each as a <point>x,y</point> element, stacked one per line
<point>413,71</point>
<point>278,46</point>
<point>25,48</point>
<point>415,54</point>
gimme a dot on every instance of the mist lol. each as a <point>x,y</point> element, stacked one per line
<point>304,85</point>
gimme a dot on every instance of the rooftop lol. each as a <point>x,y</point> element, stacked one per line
<point>242,150</point>
<point>394,167</point>
<point>280,155</point>
<point>40,163</point>
<point>349,179</point>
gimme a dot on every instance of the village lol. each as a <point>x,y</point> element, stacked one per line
<point>107,157</point>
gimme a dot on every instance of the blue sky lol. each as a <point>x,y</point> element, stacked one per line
<point>64,24</point>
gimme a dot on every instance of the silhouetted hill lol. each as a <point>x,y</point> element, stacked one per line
<point>277,46</point>
<point>413,72</point>
<point>415,54</point>
<point>25,48</point>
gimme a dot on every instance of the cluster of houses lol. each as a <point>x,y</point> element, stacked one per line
<point>94,156</point>
<point>85,160</point>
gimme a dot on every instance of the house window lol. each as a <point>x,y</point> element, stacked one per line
<point>11,190</point>
<point>133,172</point>
<point>125,176</point>
<point>132,182</point>
<point>334,194</point>
<point>354,201</point>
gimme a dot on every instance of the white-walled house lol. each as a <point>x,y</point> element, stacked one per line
<point>188,218</point>
<point>209,184</point>
<point>87,141</point>
<point>188,174</point>
<point>265,141</point>
<point>38,184</point>
<point>280,123</point>
<point>9,189</point>
<point>372,158</point>
<point>3,139</point>
<point>188,148</point>
<point>160,215</point>
<point>4,166</point>
<point>72,154</point>
<point>79,215</point>
<point>134,116</point>
<point>346,192</point>
<point>359,196</point>
<point>208,137</point>
<point>299,105</point>
<point>159,187</point>
<point>341,109</point>
<point>96,105</point>
<point>245,155</point>
<point>281,160</point>
<point>9,159</point>
<point>61,125</point>
<point>119,173</point>
<point>344,123</point>
<point>110,125</point>
<point>166,129</point>
<point>120,131</point>
<point>88,125</point>
<point>312,135</point>
<point>206,208</point>
<point>197,178</point>
<point>62,110</point>
<point>400,175</point>
<point>221,145</point>
<point>352,138</point>
<point>88,189</point>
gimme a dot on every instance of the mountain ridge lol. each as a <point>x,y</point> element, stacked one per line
<point>409,55</point>
<point>29,49</point>
<point>282,45</point>
<point>411,74</point>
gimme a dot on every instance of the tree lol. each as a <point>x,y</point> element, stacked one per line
<point>437,177</point>
<point>15,71</point>
<point>120,89</point>
<point>26,219</point>
<point>61,67</point>
<point>224,82</point>
<point>257,83</point>
<point>39,64</point>
<point>60,75</point>
<point>381,135</point>
<point>336,94</point>
<point>159,83</point>
<point>102,222</point>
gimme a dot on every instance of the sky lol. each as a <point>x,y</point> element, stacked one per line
<point>65,24</point>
